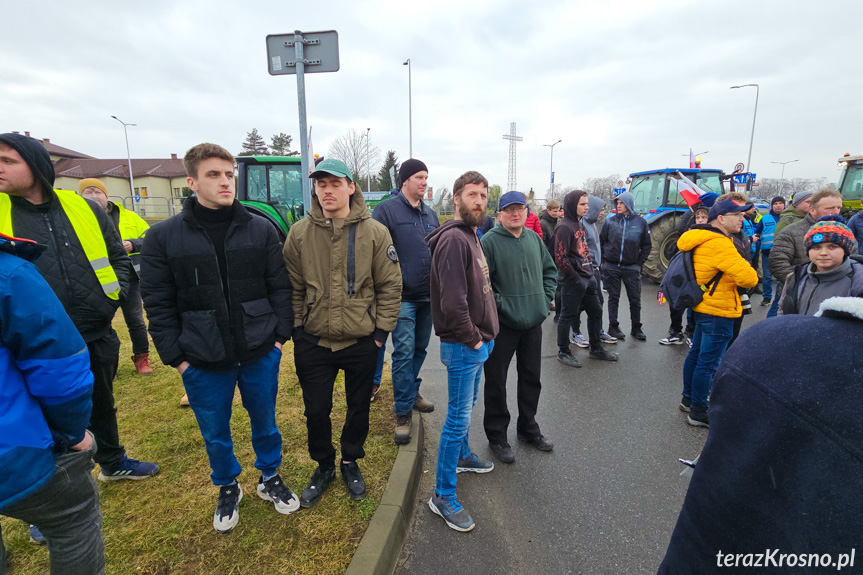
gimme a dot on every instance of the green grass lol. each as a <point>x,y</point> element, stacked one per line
<point>164,525</point>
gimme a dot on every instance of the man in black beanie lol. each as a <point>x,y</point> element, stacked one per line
<point>409,221</point>
<point>87,268</point>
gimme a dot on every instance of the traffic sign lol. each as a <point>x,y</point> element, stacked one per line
<point>137,197</point>
<point>738,167</point>
<point>619,183</point>
<point>320,52</point>
<point>744,178</point>
<point>618,191</point>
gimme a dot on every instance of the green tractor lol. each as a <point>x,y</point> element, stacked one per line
<point>851,183</point>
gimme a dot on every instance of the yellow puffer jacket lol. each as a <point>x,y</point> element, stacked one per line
<point>714,252</point>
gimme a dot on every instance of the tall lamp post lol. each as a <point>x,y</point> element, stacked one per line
<point>410,112</point>
<point>368,163</point>
<point>782,177</point>
<point>129,156</point>
<point>551,167</point>
<point>754,115</point>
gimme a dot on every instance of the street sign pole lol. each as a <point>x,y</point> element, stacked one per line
<point>301,104</point>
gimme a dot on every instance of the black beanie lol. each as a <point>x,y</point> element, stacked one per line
<point>777,199</point>
<point>409,168</point>
<point>35,155</point>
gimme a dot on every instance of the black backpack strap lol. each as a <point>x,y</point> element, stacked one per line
<point>352,259</point>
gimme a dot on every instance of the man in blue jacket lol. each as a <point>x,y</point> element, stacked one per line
<point>46,386</point>
<point>625,241</point>
<point>409,221</point>
<point>765,230</point>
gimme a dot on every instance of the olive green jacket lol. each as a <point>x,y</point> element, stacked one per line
<point>328,304</point>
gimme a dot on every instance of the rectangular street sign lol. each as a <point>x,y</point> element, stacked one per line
<point>744,178</point>
<point>618,191</point>
<point>320,52</point>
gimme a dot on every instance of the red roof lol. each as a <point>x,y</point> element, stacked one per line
<point>91,168</point>
<point>55,150</point>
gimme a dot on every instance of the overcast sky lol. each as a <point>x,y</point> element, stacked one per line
<point>627,85</point>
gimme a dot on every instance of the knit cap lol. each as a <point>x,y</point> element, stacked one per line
<point>92,183</point>
<point>801,197</point>
<point>409,168</point>
<point>830,229</point>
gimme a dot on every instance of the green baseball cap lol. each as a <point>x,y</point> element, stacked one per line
<point>333,167</point>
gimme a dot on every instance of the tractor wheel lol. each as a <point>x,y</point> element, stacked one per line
<point>664,237</point>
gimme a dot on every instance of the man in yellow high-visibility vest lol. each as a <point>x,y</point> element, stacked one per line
<point>132,229</point>
<point>87,268</point>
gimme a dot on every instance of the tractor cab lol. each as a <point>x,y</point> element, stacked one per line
<point>271,187</point>
<point>851,181</point>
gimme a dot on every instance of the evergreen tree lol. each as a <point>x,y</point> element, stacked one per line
<point>280,145</point>
<point>254,145</point>
<point>384,180</point>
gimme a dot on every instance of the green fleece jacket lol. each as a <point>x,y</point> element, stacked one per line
<point>523,276</point>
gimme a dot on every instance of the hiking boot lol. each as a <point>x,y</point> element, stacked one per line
<point>604,355</point>
<point>685,403</point>
<point>227,511</point>
<point>317,485</point>
<point>698,417</point>
<point>672,339</point>
<point>567,359</point>
<point>540,441</point>
<point>579,340</point>
<point>423,405</point>
<point>184,401</point>
<point>36,537</point>
<point>638,334</point>
<point>354,481</point>
<point>615,332</point>
<point>274,490</point>
<point>605,338</point>
<point>452,512</point>
<point>375,389</point>
<point>142,363</point>
<point>503,452</point>
<point>473,464</point>
<point>128,469</point>
<point>766,301</point>
<point>402,433</point>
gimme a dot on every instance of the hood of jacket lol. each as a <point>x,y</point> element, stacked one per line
<point>35,155</point>
<point>698,235</point>
<point>570,205</point>
<point>628,201</point>
<point>433,238</point>
<point>359,210</point>
<point>594,206</point>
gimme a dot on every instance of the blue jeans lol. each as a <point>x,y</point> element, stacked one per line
<point>410,340</point>
<point>767,279</point>
<point>712,334</point>
<point>379,368</point>
<point>211,397</point>
<point>464,372</point>
<point>774,306</point>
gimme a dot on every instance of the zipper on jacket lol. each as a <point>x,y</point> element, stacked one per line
<point>60,260</point>
<point>622,240</point>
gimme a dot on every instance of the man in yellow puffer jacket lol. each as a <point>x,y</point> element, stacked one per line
<point>714,316</point>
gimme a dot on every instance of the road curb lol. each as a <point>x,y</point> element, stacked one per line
<point>382,543</point>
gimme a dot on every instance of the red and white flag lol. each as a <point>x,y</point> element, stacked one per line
<point>691,193</point>
<point>691,159</point>
<point>311,153</point>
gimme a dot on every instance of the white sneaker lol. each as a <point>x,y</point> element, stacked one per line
<point>674,339</point>
<point>227,512</point>
<point>279,494</point>
<point>605,338</point>
<point>579,340</point>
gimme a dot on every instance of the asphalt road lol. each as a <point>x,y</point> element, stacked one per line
<point>605,501</point>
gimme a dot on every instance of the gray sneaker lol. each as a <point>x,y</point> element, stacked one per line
<point>579,340</point>
<point>452,512</point>
<point>605,338</point>
<point>568,359</point>
<point>473,464</point>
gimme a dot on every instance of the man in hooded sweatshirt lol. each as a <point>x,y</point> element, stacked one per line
<point>579,284</point>
<point>523,279</point>
<point>625,241</point>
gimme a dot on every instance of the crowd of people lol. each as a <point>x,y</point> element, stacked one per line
<point>222,297</point>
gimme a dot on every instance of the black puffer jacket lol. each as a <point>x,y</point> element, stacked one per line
<point>64,264</point>
<point>190,319</point>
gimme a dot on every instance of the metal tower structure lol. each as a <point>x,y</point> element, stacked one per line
<point>510,177</point>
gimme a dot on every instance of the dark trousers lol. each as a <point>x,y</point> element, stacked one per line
<point>317,368</point>
<point>576,327</point>
<point>612,277</point>
<point>677,320</point>
<point>527,346</point>
<point>66,511</point>
<point>576,292</point>
<point>104,355</point>
<point>133,313</point>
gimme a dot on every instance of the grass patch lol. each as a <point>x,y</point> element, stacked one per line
<point>164,525</point>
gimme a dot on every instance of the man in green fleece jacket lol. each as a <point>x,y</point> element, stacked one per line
<point>523,278</point>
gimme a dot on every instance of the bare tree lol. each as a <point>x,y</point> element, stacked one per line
<point>351,149</point>
<point>601,187</point>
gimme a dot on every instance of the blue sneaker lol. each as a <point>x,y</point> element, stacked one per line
<point>473,464</point>
<point>36,537</point>
<point>129,469</point>
<point>452,512</point>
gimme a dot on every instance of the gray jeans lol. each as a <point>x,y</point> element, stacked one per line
<point>66,511</point>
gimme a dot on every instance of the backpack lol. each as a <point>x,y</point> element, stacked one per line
<point>679,285</point>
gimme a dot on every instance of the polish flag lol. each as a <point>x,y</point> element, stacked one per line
<point>310,153</point>
<point>691,159</point>
<point>691,193</point>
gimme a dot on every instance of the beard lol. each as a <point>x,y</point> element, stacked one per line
<point>472,219</point>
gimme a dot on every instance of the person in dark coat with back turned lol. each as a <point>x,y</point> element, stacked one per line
<point>782,469</point>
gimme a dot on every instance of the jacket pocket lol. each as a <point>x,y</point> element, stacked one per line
<point>259,322</point>
<point>201,337</point>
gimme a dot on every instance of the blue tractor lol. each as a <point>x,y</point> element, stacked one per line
<point>658,200</point>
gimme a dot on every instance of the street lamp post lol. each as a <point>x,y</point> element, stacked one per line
<point>129,157</point>
<point>782,177</point>
<point>368,163</point>
<point>551,168</point>
<point>754,115</point>
<point>410,112</point>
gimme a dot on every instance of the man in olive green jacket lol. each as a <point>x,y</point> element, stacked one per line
<point>347,294</point>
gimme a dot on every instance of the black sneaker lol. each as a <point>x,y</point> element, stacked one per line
<point>275,491</point>
<point>567,359</point>
<point>615,332</point>
<point>317,485</point>
<point>354,480</point>
<point>227,511</point>
<point>685,402</point>
<point>766,301</point>
<point>638,334</point>
<point>675,338</point>
<point>604,355</point>
<point>540,441</point>
<point>698,417</point>
<point>503,452</point>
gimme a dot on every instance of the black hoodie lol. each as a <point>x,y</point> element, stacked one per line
<point>571,251</point>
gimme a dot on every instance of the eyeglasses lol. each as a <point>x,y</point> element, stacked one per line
<point>514,209</point>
